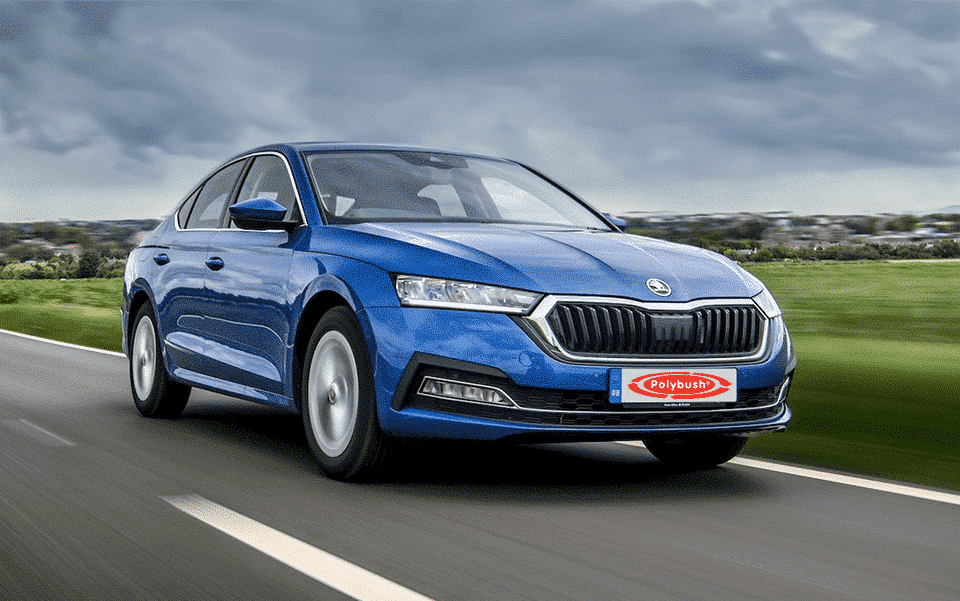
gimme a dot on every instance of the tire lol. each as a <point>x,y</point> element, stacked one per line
<point>696,452</point>
<point>338,402</point>
<point>154,393</point>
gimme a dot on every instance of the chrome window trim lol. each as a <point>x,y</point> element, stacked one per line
<point>293,182</point>
<point>537,320</point>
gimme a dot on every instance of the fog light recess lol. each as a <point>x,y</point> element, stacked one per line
<point>464,391</point>
<point>784,389</point>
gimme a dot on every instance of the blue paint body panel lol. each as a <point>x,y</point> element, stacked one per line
<point>234,306</point>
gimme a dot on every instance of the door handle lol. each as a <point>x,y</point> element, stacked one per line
<point>215,263</point>
<point>161,259</point>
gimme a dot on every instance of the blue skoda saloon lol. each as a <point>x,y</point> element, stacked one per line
<point>388,292</point>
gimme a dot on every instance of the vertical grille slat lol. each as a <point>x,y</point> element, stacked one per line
<point>596,336</point>
<point>616,326</point>
<point>624,330</point>
<point>569,328</point>
<point>745,334</point>
<point>727,332</point>
<point>584,332</point>
<point>631,332</point>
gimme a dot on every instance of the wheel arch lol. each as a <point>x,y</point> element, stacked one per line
<point>313,311</point>
<point>139,295</point>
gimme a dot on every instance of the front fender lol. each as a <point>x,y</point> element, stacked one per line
<point>323,279</point>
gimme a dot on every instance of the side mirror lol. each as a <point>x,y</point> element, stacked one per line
<point>261,214</point>
<point>620,223</point>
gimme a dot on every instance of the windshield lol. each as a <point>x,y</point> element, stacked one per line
<point>355,187</point>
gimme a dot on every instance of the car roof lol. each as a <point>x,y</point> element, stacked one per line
<point>297,147</point>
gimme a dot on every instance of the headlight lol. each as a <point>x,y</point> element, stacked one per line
<point>767,304</point>
<point>418,291</point>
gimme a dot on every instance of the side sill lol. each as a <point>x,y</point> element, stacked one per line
<point>239,391</point>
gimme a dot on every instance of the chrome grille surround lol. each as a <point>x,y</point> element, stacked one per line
<point>539,325</point>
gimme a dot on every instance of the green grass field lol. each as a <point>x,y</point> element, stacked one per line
<point>83,312</point>
<point>877,389</point>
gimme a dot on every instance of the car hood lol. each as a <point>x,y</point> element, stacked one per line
<point>542,259</point>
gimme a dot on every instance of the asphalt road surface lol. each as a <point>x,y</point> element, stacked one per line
<point>95,503</point>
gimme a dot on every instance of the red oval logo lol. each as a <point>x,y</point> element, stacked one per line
<point>679,385</point>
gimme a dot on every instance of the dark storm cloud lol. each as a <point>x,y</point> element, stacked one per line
<point>71,79</point>
<point>18,23</point>
<point>748,83</point>
<point>92,19</point>
<point>778,81</point>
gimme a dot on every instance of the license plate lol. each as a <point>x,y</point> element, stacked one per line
<point>672,387</point>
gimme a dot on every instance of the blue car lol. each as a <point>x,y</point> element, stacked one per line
<point>387,293</point>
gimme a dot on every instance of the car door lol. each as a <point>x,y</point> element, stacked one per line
<point>181,269</point>
<point>248,306</point>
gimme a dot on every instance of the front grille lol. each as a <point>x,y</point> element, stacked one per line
<point>583,328</point>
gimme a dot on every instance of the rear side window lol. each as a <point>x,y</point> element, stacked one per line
<point>185,210</point>
<point>208,208</point>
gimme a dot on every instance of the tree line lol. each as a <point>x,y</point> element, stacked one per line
<point>91,264</point>
<point>870,251</point>
<point>67,250</point>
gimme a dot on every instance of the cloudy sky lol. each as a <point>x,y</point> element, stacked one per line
<point>112,110</point>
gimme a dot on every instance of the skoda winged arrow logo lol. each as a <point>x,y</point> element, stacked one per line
<point>658,287</point>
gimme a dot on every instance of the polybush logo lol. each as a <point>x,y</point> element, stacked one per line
<point>679,385</point>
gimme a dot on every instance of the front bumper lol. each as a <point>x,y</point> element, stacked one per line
<point>554,400</point>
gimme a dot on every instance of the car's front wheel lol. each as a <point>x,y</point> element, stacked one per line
<point>154,393</point>
<point>338,400</point>
<point>695,452</point>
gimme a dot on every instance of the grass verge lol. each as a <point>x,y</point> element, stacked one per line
<point>878,345</point>
<point>873,407</point>
<point>85,312</point>
<point>87,326</point>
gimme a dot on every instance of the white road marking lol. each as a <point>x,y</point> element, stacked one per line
<point>40,434</point>
<point>329,569</point>
<point>899,489</point>
<point>66,344</point>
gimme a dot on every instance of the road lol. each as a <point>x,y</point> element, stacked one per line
<point>89,492</point>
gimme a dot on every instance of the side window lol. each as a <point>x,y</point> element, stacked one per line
<point>209,205</point>
<point>185,210</point>
<point>268,178</point>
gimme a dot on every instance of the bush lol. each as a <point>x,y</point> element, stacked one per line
<point>946,249</point>
<point>89,263</point>
<point>9,297</point>
<point>764,255</point>
<point>18,271</point>
<point>111,269</point>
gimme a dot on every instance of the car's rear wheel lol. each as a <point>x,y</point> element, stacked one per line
<point>338,401</point>
<point>695,452</point>
<point>154,393</point>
